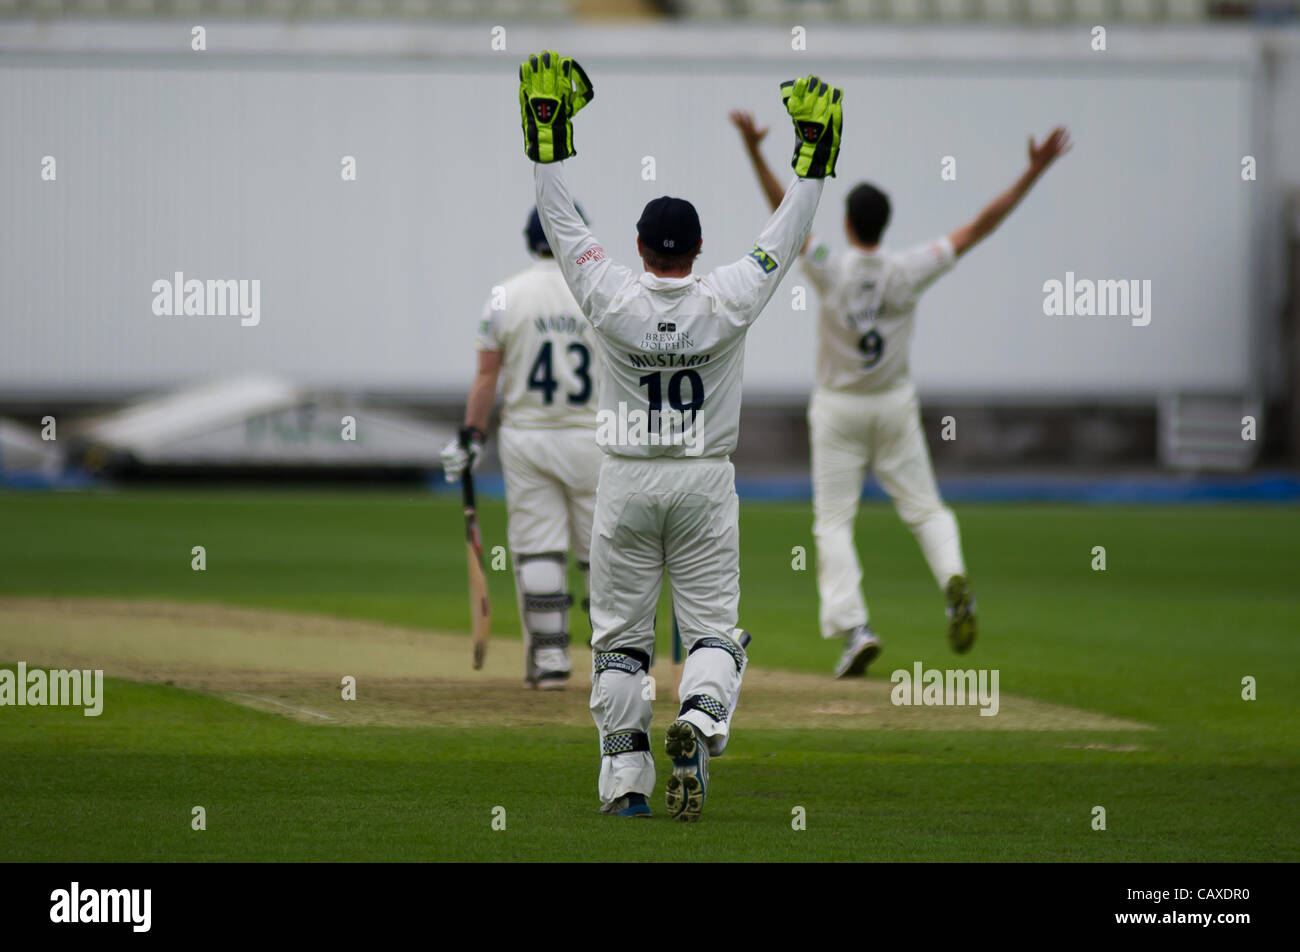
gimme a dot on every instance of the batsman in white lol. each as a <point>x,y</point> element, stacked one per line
<point>534,337</point>
<point>864,410</point>
<point>672,346</point>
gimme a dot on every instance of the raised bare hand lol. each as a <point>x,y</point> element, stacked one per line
<point>749,131</point>
<point>1054,146</point>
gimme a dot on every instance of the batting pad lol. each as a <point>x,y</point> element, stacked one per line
<point>620,705</point>
<point>542,584</point>
<point>710,688</point>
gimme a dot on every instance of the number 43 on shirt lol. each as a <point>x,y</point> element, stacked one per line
<point>542,376</point>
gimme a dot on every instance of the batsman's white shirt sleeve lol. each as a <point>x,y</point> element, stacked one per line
<point>490,335</point>
<point>747,284</point>
<point>591,276</point>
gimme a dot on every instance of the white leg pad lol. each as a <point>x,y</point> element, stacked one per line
<point>620,706</point>
<point>711,679</point>
<point>542,582</point>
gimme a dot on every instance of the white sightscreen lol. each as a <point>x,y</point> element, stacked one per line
<point>231,169</point>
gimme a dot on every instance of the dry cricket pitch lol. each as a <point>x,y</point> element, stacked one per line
<point>294,665</point>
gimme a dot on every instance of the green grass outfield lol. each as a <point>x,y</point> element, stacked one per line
<point>1193,599</point>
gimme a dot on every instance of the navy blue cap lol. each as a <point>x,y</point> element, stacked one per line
<point>670,226</point>
<point>537,237</point>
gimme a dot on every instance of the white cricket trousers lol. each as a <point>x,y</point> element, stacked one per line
<point>849,432</point>
<point>550,476</point>
<point>655,514</point>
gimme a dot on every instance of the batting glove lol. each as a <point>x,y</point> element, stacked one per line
<point>462,453</point>
<point>552,90</point>
<point>816,109</point>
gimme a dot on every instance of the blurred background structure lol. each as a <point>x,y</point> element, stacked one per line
<point>964,11</point>
<point>360,160</point>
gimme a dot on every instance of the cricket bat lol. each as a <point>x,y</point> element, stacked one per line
<point>479,608</point>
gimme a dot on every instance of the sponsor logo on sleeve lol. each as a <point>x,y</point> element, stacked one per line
<point>763,260</point>
<point>594,253</point>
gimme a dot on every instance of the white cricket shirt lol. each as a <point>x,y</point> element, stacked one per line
<point>868,307</point>
<point>549,371</point>
<point>673,349</point>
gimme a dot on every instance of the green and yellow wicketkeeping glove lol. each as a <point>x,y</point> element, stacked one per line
<point>552,89</point>
<point>817,111</point>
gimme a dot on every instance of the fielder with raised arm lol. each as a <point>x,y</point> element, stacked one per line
<point>864,410</point>
<point>672,346</point>
<point>534,337</point>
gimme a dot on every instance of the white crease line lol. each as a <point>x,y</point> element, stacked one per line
<point>269,700</point>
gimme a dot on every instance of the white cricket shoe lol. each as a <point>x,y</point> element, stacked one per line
<point>861,647</point>
<point>552,669</point>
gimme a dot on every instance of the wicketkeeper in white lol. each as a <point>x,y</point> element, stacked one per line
<point>672,346</point>
<point>864,410</point>
<point>535,338</point>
